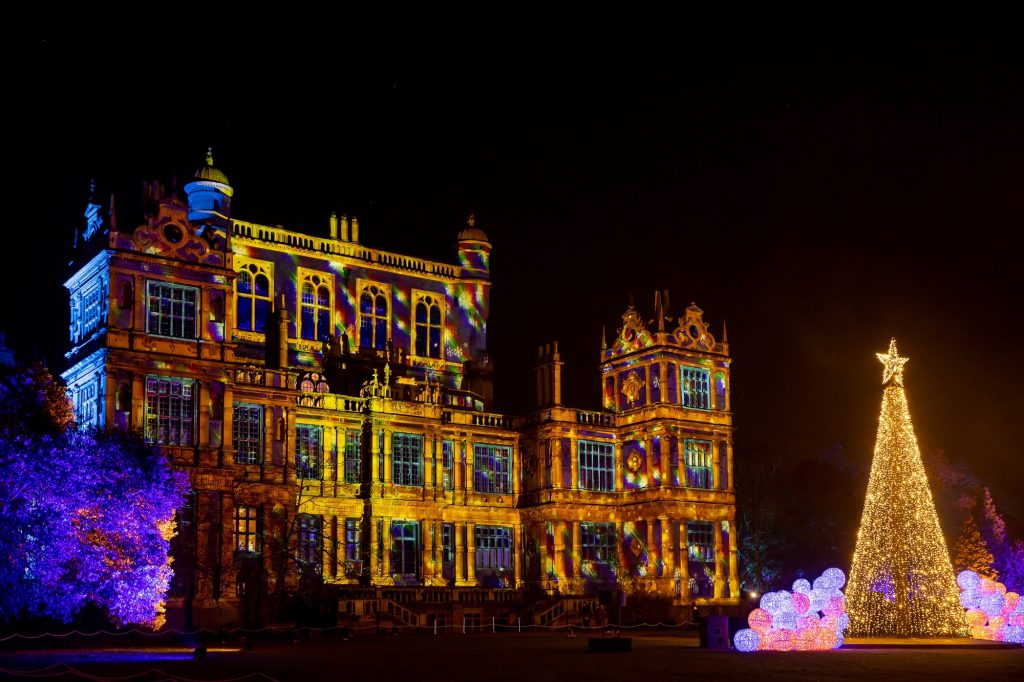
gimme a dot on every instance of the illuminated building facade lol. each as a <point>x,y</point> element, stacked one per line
<point>332,405</point>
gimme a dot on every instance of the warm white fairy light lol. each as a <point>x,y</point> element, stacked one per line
<point>902,582</point>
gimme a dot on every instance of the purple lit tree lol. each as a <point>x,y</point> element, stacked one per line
<point>84,517</point>
<point>993,529</point>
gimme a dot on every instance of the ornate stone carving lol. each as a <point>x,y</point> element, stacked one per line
<point>631,387</point>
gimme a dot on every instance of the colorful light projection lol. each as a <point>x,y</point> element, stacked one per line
<point>635,475</point>
<point>992,612</point>
<point>810,618</point>
<point>902,582</point>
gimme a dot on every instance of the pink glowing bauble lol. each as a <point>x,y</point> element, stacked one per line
<point>825,638</point>
<point>1010,603</point>
<point>988,586</point>
<point>991,603</point>
<point>976,617</point>
<point>995,623</point>
<point>819,598</point>
<point>834,578</point>
<point>801,586</point>
<point>969,599</point>
<point>785,640</point>
<point>806,640</point>
<point>746,640</point>
<point>834,607</point>
<point>968,580</point>
<point>769,640</point>
<point>801,603</point>
<point>807,622</point>
<point>830,623</point>
<point>1016,619</point>
<point>759,620</point>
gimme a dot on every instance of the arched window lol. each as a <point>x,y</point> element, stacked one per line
<point>373,317</point>
<point>315,308</point>
<point>252,298</point>
<point>427,328</point>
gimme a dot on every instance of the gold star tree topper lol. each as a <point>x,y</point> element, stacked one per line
<point>893,365</point>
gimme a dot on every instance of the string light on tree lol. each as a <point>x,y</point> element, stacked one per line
<point>902,582</point>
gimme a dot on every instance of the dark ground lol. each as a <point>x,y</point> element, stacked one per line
<point>519,657</point>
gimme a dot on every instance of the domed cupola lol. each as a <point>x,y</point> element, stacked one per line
<point>474,250</point>
<point>209,195</point>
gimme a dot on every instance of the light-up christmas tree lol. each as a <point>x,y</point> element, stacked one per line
<point>902,582</point>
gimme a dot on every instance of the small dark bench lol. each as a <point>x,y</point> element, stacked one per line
<point>609,644</point>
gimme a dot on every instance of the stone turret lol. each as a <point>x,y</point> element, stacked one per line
<point>209,195</point>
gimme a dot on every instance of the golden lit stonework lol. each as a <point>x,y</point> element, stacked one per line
<point>893,365</point>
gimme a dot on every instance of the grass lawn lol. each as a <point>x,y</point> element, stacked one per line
<point>521,657</point>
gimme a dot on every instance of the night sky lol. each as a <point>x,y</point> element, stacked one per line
<point>821,183</point>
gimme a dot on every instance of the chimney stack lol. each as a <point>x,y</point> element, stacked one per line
<point>549,376</point>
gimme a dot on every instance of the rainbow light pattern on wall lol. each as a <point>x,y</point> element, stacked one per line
<point>810,618</point>
<point>992,612</point>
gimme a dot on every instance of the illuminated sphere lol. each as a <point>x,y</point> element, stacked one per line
<point>991,603</point>
<point>786,604</point>
<point>820,583</point>
<point>830,623</point>
<point>1010,603</point>
<point>988,586</point>
<point>969,599</point>
<point>801,586</point>
<point>839,640</point>
<point>807,639</point>
<point>769,640</point>
<point>746,640</point>
<point>976,617</point>
<point>759,620</point>
<point>968,580</point>
<point>834,607</point>
<point>808,622</point>
<point>996,623</point>
<point>844,621</point>
<point>785,620</point>
<point>825,638</point>
<point>1013,633</point>
<point>785,640</point>
<point>819,598</point>
<point>771,602</point>
<point>980,632</point>
<point>801,603</point>
<point>834,577</point>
